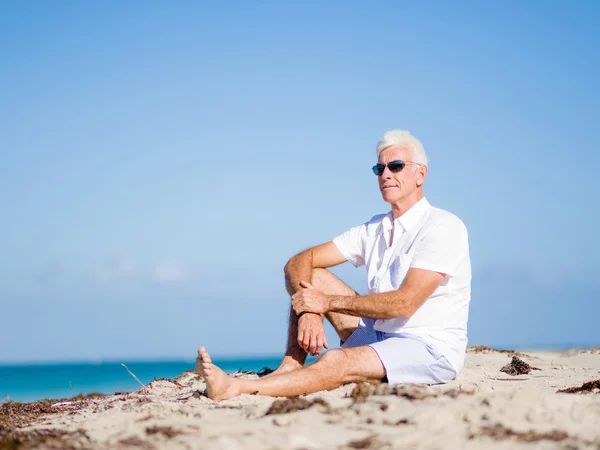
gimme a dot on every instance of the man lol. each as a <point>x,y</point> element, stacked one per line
<point>412,325</point>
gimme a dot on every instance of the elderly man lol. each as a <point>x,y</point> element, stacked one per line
<point>412,325</point>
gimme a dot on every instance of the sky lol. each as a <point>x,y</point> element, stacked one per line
<point>160,162</point>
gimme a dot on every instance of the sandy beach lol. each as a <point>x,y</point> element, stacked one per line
<point>483,408</point>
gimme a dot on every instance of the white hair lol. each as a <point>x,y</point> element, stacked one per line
<point>403,137</point>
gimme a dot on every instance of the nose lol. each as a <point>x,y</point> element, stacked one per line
<point>387,173</point>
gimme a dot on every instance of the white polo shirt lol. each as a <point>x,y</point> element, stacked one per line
<point>426,238</point>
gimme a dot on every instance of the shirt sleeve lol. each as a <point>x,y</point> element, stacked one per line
<point>351,244</point>
<point>443,247</point>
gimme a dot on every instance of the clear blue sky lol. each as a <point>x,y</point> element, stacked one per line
<point>160,162</point>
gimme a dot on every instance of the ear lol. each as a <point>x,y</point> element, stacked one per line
<point>421,175</point>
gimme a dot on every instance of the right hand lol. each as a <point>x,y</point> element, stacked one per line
<point>311,334</point>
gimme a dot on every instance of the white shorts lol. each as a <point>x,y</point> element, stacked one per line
<point>406,358</point>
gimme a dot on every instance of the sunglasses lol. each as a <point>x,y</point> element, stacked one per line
<point>394,166</point>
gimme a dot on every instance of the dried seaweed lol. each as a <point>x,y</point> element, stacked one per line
<point>360,393</point>
<point>175,382</point>
<point>486,349</point>
<point>584,388</point>
<point>135,442</point>
<point>499,432</point>
<point>16,414</point>
<point>48,439</point>
<point>517,367</point>
<point>408,391</point>
<point>289,405</point>
<point>91,395</point>
<point>370,442</point>
<point>167,431</point>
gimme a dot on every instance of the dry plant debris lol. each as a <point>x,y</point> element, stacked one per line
<point>486,349</point>
<point>584,388</point>
<point>499,432</point>
<point>517,367</point>
<point>289,405</point>
<point>47,439</point>
<point>175,382</point>
<point>167,431</point>
<point>16,414</point>
<point>135,442</point>
<point>371,442</point>
<point>408,391</point>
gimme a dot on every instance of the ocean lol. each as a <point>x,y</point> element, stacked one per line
<point>31,382</point>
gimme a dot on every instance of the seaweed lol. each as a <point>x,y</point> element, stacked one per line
<point>499,432</point>
<point>289,405</point>
<point>17,414</point>
<point>584,388</point>
<point>45,438</point>
<point>517,367</point>
<point>175,382</point>
<point>167,431</point>
<point>486,349</point>
<point>408,391</point>
<point>135,442</point>
<point>370,442</point>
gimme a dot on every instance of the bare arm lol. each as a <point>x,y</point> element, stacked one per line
<point>418,285</point>
<point>307,334</point>
<point>299,268</point>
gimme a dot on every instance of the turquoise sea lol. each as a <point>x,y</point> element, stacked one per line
<point>30,382</point>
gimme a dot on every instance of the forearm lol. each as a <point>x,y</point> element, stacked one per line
<point>386,305</point>
<point>299,268</point>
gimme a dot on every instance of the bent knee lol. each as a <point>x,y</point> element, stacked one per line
<point>334,357</point>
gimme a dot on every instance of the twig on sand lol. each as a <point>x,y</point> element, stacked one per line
<point>507,379</point>
<point>133,375</point>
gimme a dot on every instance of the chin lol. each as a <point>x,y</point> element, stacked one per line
<point>388,198</point>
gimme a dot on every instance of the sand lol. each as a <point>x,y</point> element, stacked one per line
<point>482,408</point>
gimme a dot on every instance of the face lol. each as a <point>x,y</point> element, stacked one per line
<point>400,186</point>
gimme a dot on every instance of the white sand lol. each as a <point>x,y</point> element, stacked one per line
<point>481,402</point>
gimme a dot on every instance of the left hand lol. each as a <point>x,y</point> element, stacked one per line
<point>310,300</point>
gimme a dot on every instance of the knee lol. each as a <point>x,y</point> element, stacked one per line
<point>335,357</point>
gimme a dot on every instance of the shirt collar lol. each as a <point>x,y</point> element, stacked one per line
<point>411,218</point>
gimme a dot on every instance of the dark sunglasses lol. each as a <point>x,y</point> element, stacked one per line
<point>394,166</point>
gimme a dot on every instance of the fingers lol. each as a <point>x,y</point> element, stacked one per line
<point>301,338</point>
<point>307,339</point>
<point>319,345</point>
<point>313,345</point>
<point>295,304</point>
<point>311,335</point>
<point>306,285</point>
<point>304,341</point>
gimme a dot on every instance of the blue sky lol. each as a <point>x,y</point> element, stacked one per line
<point>160,162</point>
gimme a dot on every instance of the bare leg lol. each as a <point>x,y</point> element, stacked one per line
<point>328,283</point>
<point>333,369</point>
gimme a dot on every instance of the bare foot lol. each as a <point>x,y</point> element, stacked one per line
<point>287,365</point>
<point>219,385</point>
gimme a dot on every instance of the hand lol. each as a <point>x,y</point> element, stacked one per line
<point>311,334</point>
<point>310,300</point>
